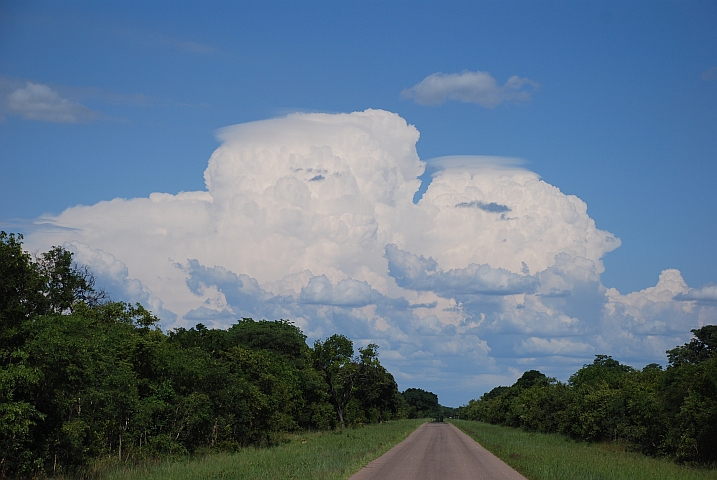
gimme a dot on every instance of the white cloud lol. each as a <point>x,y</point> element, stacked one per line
<point>310,218</point>
<point>39,102</point>
<point>470,87</point>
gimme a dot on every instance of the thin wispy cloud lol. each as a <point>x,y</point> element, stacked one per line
<point>470,87</point>
<point>36,101</point>
<point>194,47</point>
<point>710,74</point>
<point>153,39</point>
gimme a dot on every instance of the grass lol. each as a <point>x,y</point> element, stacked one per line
<point>555,457</point>
<point>319,455</point>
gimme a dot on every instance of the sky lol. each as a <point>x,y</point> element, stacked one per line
<point>480,188</point>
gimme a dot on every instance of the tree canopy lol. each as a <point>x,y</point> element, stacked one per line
<point>660,412</point>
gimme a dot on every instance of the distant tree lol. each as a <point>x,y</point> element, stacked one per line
<point>422,403</point>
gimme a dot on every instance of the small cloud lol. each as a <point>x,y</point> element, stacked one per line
<point>40,102</point>
<point>155,40</point>
<point>194,47</point>
<point>491,207</point>
<point>470,87</point>
<point>710,74</point>
<point>317,178</point>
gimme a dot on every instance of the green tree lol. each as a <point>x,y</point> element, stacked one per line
<point>699,349</point>
<point>377,391</point>
<point>334,357</point>
<point>280,336</point>
<point>422,403</point>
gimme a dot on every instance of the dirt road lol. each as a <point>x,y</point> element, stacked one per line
<point>437,451</point>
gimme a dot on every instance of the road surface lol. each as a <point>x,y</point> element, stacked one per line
<point>437,451</point>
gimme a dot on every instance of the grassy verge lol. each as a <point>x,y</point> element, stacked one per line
<point>555,457</point>
<point>320,455</point>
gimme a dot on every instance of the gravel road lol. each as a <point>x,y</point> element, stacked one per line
<point>437,451</point>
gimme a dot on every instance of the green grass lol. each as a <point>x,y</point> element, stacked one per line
<point>320,455</point>
<point>555,457</point>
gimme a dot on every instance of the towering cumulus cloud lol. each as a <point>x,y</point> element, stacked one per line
<point>311,218</point>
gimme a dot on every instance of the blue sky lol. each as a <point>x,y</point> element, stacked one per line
<point>619,108</point>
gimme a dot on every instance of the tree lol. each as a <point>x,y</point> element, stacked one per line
<point>280,336</point>
<point>698,350</point>
<point>30,288</point>
<point>334,357</point>
<point>50,283</point>
<point>530,378</point>
<point>376,390</point>
<point>20,287</point>
<point>603,369</point>
<point>422,403</point>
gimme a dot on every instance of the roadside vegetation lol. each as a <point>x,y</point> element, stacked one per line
<point>540,456</point>
<point>309,455</point>
<point>662,413</point>
<point>84,379</point>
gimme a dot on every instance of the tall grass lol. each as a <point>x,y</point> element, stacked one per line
<point>319,455</point>
<point>554,457</point>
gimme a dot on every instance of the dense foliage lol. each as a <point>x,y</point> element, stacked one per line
<point>422,404</point>
<point>82,377</point>
<point>670,412</point>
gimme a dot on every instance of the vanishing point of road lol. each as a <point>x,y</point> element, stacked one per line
<point>437,451</point>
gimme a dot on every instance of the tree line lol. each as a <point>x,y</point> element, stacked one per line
<point>83,377</point>
<point>661,412</point>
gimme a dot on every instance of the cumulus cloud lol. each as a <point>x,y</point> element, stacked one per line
<point>470,87</point>
<point>35,101</point>
<point>311,218</point>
